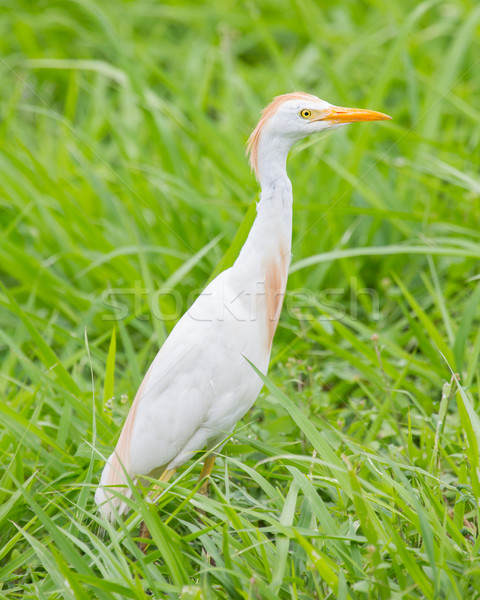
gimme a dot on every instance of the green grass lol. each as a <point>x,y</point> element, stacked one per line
<point>123,184</point>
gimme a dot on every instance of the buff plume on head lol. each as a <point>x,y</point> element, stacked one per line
<point>291,117</point>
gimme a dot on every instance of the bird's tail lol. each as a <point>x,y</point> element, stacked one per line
<point>113,478</point>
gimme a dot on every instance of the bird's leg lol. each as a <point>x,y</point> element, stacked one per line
<point>144,533</point>
<point>206,470</point>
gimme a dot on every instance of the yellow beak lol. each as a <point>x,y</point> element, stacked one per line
<point>338,114</point>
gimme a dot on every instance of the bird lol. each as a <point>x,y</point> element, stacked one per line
<point>201,382</point>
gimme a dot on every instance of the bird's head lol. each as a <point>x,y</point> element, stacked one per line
<point>291,117</point>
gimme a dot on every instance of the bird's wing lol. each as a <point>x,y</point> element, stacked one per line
<point>199,380</point>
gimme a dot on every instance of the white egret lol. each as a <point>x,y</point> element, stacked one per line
<point>200,383</point>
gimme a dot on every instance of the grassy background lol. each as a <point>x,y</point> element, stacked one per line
<point>123,183</point>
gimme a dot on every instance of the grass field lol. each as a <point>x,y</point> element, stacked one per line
<point>123,184</point>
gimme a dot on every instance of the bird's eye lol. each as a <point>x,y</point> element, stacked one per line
<point>305,113</point>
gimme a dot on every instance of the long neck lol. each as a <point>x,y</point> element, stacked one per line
<point>271,233</point>
<point>272,229</point>
<point>262,266</point>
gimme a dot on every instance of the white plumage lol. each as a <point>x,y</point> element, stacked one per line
<point>200,383</point>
